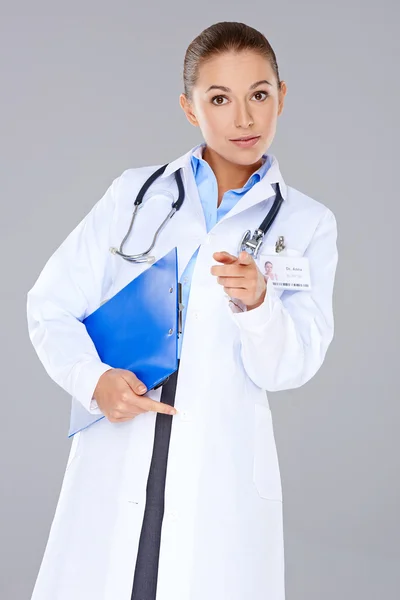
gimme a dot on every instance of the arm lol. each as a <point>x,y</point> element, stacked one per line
<point>284,340</point>
<point>70,287</point>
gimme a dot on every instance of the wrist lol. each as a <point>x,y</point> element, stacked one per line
<point>259,302</point>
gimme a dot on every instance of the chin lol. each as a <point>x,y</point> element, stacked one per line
<point>239,156</point>
<point>246,157</point>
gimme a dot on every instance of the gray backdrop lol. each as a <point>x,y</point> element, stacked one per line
<point>84,97</point>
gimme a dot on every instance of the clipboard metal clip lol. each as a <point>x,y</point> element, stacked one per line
<point>180,310</point>
<point>180,325</point>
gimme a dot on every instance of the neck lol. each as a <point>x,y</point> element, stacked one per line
<point>229,176</point>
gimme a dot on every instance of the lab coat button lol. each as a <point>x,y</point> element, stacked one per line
<point>185,416</point>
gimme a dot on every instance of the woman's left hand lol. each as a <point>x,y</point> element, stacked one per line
<point>240,278</point>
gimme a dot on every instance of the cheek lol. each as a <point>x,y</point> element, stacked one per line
<point>269,133</point>
<point>212,122</point>
<point>269,118</point>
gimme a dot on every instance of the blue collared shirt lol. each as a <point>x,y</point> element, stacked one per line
<point>208,192</point>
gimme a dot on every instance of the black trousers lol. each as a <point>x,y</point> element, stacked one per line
<point>146,569</point>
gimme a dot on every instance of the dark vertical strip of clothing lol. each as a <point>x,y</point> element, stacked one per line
<point>146,570</point>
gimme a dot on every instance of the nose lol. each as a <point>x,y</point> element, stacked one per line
<point>243,117</point>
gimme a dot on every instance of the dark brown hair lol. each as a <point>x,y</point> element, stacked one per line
<point>222,37</point>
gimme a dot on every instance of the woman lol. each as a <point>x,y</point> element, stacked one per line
<point>181,498</point>
<point>268,272</point>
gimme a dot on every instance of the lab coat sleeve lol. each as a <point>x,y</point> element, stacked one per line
<point>285,339</point>
<point>69,287</point>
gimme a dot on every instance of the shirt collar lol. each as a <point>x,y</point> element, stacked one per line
<point>197,161</point>
<point>272,175</point>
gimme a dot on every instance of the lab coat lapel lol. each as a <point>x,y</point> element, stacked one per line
<point>181,162</point>
<point>261,191</point>
<point>192,200</point>
<point>190,218</point>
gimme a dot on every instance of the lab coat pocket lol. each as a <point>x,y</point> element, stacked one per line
<point>266,473</point>
<point>268,254</point>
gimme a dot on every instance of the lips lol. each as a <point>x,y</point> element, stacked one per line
<point>245,138</point>
<point>248,141</point>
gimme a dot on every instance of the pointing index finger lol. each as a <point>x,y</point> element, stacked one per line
<point>159,407</point>
<point>224,257</point>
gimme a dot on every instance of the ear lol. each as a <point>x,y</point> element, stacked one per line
<point>282,94</point>
<point>187,108</point>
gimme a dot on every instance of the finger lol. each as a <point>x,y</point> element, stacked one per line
<point>159,407</point>
<point>232,282</point>
<point>224,257</point>
<point>235,270</point>
<point>116,416</point>
<point>245,258</point>
<point>134,383</point>
<point>125,412</point>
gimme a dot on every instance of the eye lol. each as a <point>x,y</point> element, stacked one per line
<point>218,98</point>
<point>259,93</point>
<point>260,97</point>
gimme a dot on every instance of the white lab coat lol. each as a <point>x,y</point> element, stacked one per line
<point>222,534</point>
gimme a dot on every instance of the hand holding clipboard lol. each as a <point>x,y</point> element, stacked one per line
<point>136,330</point>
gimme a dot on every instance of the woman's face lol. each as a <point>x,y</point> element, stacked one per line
<point>236,95</point>
<point>268,268</point>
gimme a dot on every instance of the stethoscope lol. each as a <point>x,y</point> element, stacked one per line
<point>249,243</point>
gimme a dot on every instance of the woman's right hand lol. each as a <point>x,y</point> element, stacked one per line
<point>119,395</point>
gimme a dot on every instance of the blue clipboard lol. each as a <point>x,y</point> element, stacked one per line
<point>137,330</point>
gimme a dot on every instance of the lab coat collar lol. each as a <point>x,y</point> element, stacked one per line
<point>260,191</point>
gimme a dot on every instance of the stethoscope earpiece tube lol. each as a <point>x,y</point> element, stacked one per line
<point>144,256</point>
<point>148,183</point>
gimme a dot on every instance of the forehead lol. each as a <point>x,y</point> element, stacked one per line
<point>235,69</point>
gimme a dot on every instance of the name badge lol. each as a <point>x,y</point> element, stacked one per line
<point>287,272</point>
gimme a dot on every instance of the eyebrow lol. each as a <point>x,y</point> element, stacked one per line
<point>228,90</point>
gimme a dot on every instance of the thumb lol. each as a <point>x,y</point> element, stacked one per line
<point>134,383</point>
<point>245,258</point>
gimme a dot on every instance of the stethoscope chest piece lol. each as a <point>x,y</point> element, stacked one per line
<point>251,244</point>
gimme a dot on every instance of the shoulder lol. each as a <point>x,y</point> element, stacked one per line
<point>300,202</point>
<point>135,176</point>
